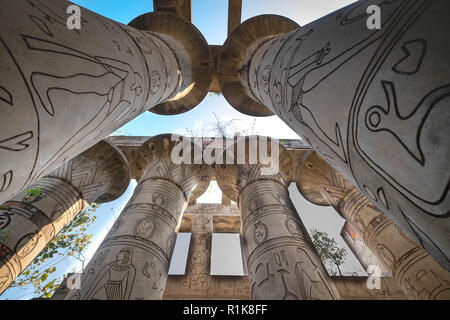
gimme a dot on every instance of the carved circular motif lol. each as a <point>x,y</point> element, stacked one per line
<point>293,226</point>
<point>26,244</point>
<point>170,245</point>
<point>260,232</point>
<point>386,255</point>
<point>265,78</point>
<point>145,228</point>
<point>155,82</point>
<point>199,258</point>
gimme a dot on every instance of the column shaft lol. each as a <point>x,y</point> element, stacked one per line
<point>62,91</point>
<point>281,259</point>
<point>133,260</point>
<point>32,222</point>
<point>373,103</point>
<point>362,253</point>
<point>414,270</point>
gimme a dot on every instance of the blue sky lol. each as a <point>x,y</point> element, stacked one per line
<point>210,17</point>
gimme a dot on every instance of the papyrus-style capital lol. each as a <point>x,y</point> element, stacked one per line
<point>275,242</point>
<point>193,56</point>
<point>133,260</point>
<point>236,54</point>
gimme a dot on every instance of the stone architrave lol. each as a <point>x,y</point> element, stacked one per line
<point>133,260</point>
<point>372,102</point>
<point>282,262</point>
<point>100,174</point>
<point>414,270</point>
<point>63,90</point>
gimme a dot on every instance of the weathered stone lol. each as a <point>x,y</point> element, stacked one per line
<point>133,260</point>
<point>281,259</point>
<point>62,90</point>
<point>368,260</point>
<point>372,102</point>
<point>100,174</point>
<point>413,269</point>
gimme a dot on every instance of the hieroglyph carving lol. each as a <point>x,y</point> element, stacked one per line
<point>385,127</point>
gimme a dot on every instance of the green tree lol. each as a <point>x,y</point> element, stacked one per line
<point>328,249</point>
<point>70,241</point>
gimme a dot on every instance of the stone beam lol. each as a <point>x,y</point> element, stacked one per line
<point>234,14</point>
<point>129,145</point>
<point>182,8</point>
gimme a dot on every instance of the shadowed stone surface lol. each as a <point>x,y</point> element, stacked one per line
<point>372,103</point>
<point>413,269</point>
<point>100,174</point>
<point>62,91</point>
<point>133,260</point>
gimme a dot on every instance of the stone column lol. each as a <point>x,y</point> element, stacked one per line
<point>413,269</point>
<point>361,251</point>
<point>199,259</point>
<point>62,90</point>
<point>133,260</point>
<point>282,262</point>
<point>372,102</point>
<point>100,174</point>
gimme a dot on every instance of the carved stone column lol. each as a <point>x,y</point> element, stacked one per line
<point>62,91</point>
<point>199,259</point>
<point>100,174</point>
<point>373,103</point>
<point>361,251</point>
<point>133,260</point>
<point>281,259</point>
<point>413,269</point>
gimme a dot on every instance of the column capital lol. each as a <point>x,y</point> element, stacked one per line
<point>155,161</point>
<point>101,173</point>
<point>193,55</point>
<point>236,54</point>
<point>248,165</point>
<point>319,183</point>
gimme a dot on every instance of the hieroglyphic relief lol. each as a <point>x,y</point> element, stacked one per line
<point>282,262</point>
<point>197,283</point>
<point>32,223</point>
<point>363,253</point>
<point>375,239</point>
<point>413,269</point>
<point>384,127</point>
<point>145,227</point>
<point>99,174</point>
<point>144,233</point>
<point>199,258</point>
<point>88,83</point>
